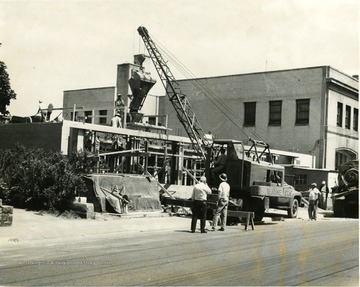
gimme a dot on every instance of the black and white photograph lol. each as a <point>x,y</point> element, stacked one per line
<point>179,143</point>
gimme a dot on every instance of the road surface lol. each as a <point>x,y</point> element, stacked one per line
<point>278,253</point>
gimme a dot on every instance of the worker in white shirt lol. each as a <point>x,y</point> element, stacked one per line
<point>314,198</point>
<point>223,202</point>
<point>199,198</point>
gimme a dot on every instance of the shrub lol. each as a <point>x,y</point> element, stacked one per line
<point>39,180</point>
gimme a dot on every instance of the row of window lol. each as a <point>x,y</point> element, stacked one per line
<point>275,111</point>
<point>302,114</point>
<point>89,115</point>
<point>355,117</point>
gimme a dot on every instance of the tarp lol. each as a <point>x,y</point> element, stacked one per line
<point>142,192</point>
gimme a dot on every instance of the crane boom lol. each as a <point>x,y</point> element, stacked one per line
<point>179,101</point>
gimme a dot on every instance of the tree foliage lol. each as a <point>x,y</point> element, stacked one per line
<point>6,93</point>
<point>38,180</point>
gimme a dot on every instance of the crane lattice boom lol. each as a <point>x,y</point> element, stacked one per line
<point>179,101</point>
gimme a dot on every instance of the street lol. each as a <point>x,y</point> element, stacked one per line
<point>278,253</point>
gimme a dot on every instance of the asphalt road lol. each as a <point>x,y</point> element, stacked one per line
<point>279,253</point>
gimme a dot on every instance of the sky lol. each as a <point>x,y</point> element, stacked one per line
<point>53,46</point>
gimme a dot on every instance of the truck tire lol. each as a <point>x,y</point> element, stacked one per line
<point>294,209</point>
<point>338,208</point>
<point>259,214</point>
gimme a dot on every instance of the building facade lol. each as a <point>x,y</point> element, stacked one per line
<point>310,110</point>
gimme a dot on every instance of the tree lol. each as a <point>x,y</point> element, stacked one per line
<point>38,179</point>
<point>6,93</point>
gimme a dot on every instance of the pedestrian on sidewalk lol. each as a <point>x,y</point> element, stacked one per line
<point>222,205</point>
<point>199,198</point>
<point>314,198</point>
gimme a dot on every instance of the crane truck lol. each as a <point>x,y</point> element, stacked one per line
<point>256,182</point>
<point>345,195</point>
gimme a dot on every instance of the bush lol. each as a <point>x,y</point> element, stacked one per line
<point>39,180</point>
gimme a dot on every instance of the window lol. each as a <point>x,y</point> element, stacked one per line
<point>339,114</point>
<point>152,121</point>
<point>275,112</point>
<point>88,117</point>
<point>347,117</point>
<point>302,111</point>
<point>72,116</point>
<point>103,116</point>
<point>301,179</point>
<point>250,113</point>
<point>356,120</point>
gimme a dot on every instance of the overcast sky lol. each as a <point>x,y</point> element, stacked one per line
<point>53,46</point>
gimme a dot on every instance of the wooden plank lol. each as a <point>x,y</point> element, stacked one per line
<point>243,214</point>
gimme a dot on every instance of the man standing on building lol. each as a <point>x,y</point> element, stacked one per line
<point>116,121</point>
<point>120,107</point>
<point>199,198</point>
<point>314,197</point>
<point>223,202</point>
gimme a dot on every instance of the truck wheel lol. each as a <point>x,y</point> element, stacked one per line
<point>293,211</point>
<point>338,208</point>
<point>259,214</point>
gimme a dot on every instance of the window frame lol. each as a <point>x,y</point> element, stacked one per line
<point>347,117</point>
<point>275,113</point>
<point>356,120</point>
<point>88,116</point>
<point>301,179</point>
<point>339,114</point>
<point>103,117</point>
<point>302,112</point>
<point>249,114</point>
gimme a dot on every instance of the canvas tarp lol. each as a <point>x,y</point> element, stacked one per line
<point>142,192</point>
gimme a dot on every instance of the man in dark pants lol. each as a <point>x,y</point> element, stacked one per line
<point>199,198</point>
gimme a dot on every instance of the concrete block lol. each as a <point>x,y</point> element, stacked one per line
<point>7,209</point>
<point>84,210</point>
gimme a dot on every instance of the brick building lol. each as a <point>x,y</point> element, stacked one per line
<point>309,110</point>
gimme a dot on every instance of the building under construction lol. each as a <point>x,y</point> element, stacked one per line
<point>125,130</point>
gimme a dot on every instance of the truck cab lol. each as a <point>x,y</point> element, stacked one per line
<point>255,181</point>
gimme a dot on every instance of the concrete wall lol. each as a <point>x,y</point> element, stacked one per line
<point>93,100</point>
<point>35,135</point>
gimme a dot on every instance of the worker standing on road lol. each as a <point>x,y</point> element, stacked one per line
<point>314,197</point>
<point>223,202</point>
<point>324,194</point>
<point>199,198</point>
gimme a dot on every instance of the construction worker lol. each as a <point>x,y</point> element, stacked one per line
<point>223,202</point>
<point>220,164</point>
<point>314,198</point>
<point>116,121</point>
<point>199,198</point>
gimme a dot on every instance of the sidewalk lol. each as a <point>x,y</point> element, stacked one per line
<point>31,227</point>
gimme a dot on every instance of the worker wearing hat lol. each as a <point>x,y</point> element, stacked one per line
<point>223,202</point>
<point>324,194</point>
<point>314,197</point>
<point>199,198</point>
